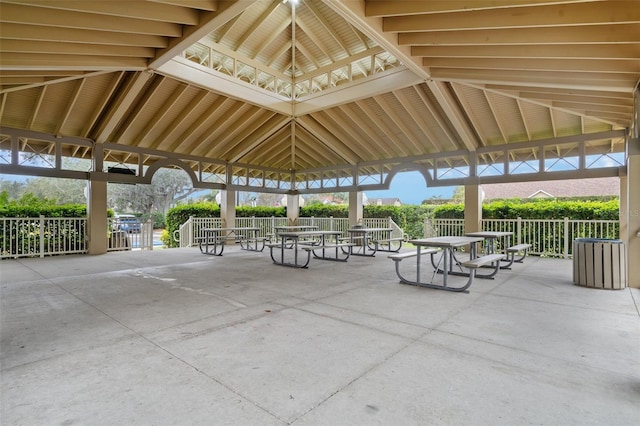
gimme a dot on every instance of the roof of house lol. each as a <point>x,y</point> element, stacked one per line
<point>385,201</point>
<point>553,188</point>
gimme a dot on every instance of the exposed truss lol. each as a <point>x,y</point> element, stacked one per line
<point>30,153</point>
<point>331,95</point>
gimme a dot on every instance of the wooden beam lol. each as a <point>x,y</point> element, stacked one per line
<point>608,34</point>
<point>560,15</point>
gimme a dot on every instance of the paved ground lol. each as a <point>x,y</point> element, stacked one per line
<point>177,337</point>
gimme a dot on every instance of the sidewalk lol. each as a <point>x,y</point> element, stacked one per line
<point>174,337</point>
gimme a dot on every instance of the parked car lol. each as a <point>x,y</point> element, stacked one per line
<point>127,223</point>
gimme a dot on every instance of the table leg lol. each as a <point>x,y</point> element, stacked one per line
<point>214,251</point>
<point>445,270</point>
<point>366,240</point>
<point>418,265</point>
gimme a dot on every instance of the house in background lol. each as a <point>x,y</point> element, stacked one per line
<point>609,186</point>
<point>392,201</point>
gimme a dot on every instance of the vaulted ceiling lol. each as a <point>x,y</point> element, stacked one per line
<point>319,84</point>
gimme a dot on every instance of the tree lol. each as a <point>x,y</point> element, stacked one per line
<point>12,189</point>
<point>210,196</point>
<point>268,199</point>
<point>130,198</point>
<point>458,194</point>
<point>61,191</point>
<point>168,187</point>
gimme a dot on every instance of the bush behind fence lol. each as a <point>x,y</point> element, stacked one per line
<point>548,237</point>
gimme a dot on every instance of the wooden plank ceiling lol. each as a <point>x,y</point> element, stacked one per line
<point>318,83</point>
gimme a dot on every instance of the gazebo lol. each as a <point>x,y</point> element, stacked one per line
<point>313,96</point>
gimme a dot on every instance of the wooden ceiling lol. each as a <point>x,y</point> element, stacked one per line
<point>319,84</point>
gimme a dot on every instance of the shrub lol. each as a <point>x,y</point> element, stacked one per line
<point>537,209</point>
<point>156,217</point>
<point>180,214</point>
<point>165,237</point>
<point>261,211</point>
<point>67,210</point>
<point>552,209</point>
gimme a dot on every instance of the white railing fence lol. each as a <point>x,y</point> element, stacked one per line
<point>120,240</point>
<point>187,232</point>
<point>50,236</point>
<point>548,237</point>
<point>42,236</point>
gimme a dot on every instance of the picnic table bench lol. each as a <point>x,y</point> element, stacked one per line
<point>370,240</point>
<point>212,240</point>
<point>446,246</point>
<point>326,246</point>
<point>511,254</point>
<point>390,244</point>
<point>510,251</point>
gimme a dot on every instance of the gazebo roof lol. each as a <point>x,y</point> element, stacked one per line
<point>337,92</point>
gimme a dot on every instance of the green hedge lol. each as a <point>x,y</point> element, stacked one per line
<point>23,237</point>
<point>537,209</point>
<point>261,211</point>
<point>322,210</point>
<point>180,214</point>
<point>411,218</point>
<point>68,210</point>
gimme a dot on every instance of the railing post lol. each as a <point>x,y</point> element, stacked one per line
<point>519,231</point>
<point>330,223</point>
<point>41,236</point>
<point>566,237</point>
<point>149,232</point>
<point>191,231</point>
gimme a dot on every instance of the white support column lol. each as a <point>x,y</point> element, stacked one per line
<point>97,224</point>
<point>228,207</point>
<point>356,209</point>
<point>623,207</point>
<point>632,213</point>
<point>293,209</point>
<point>472,208</point>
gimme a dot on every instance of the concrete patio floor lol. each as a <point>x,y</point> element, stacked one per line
<point>174,337</point>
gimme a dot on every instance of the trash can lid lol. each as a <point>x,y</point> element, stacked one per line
<point>598,240</point>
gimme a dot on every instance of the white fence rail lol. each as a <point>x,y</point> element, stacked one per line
<point>50,236</point>
<point>42,236</point>
<point>187,232</point>
<point>120,239</point>
<point>548,237</point>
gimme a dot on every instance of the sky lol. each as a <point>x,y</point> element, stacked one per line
<point>411,188</point>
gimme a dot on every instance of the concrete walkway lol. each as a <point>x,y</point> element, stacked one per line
<point>174,337</point>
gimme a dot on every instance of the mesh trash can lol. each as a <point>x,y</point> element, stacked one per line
<point>599,263</point>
